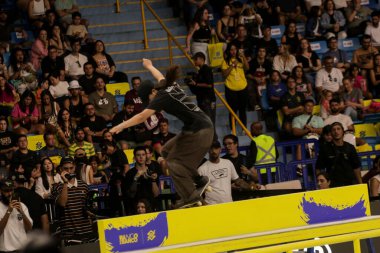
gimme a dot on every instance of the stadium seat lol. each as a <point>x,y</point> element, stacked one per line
<point>365,130</point>
<point>301,28</point>
<point>264,100</point>
<point>16,37</point>
<point>130,156</point>
<point>350,44</point>
<point>280,119</point>
<point>120,101</point>
<point>36,142</point>
<point>277,31</point>
<point>319,47</point>
<point>117,89</point>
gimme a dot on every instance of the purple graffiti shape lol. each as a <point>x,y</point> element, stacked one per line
<point>319,212</point>
<point>150,235</point>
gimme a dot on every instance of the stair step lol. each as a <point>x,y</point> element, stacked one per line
<point>94,4</point>
<point>151,54</point>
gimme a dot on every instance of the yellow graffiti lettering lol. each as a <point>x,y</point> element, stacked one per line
<point>129,238</point>
<point>151,235</point>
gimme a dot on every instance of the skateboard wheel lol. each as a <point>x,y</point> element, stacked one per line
<point>209,188</point>
<point>199,203</point>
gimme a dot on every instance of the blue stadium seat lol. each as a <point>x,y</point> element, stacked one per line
<point>16,38</point>
<point>319,47</point>
<point>301,28</point>
<point>120,101</point>
<point>277,31</point>
<point>350,44</point>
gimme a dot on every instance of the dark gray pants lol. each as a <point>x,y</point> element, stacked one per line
<point>183,155</point>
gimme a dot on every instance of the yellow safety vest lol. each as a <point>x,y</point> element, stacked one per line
<point>266,151</point>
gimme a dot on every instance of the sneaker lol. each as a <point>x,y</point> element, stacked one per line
<point>257,108</point>
<point>192,201</point>
<point>201,181</point>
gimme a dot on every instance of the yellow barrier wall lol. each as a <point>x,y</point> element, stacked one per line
<point>237,218</point>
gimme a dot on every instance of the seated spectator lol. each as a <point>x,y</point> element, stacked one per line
<point>326,97</point>
<point>100,177</point>
<point>336,116</point>
<point>25,115</point>
<point>75,103</point>
<point>88,80</point>
<point>82,166</point>
<point>160,139</point>
<point>373,29</point>
<point>3,67</point>
<point>8,97</point>
<point>284,62</point>
<point>372,177</point>
<point>225,27</point>
<point>58,40</point>
<point>340,58</point>
<point>275,90</point>
<point>375,76</point>
<point>143,207</point>
<point>291,104</point>
<point>333,21</point>
<point>252,22</point>
<point>265,10</point>
<point>105,66</point>
<point>36,12</point>
<point>49,22</point>
<point>49,110</point>
<point>133,96</point>
<point>313,27</point>
<point>244,43</point>
<point>66,128</point>
<point>21,72</point>
<point>74,62</point>
<point>290,9</point>
<point>24,156</point>
<point>8,145</point>
<point>39,49</point>
<point>70,197</point>
<point>357,17</point>
<point>153,165</point>
<point>291,37</point>
<point>127,134</point>
<point>51,148</point>
<point>46,181</point>
<point>93,125</point>
<point>34,203</point>
<point>53,63</point>
<point>118,159</point>
<point>104,102</point>
<point>358,81</point>
<point>65,9</point>
<point>6,28</point>
<point>140,182</point>
<point>308,59</point>
<point>76,29</point>
<point>199,34</point>
<point>328,77</point>
<point>303,84</point>
<point>268,42</point>
<point>10,210</point>
<point>323,181</point>
<point>365,55</point>
<point>353,100</point>
<point>222,175</point>
<point>58,89</point>
<point>81,143</point>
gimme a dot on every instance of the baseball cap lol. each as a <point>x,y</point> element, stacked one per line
<point>216,144</point>
<point>6,184</point>
<point>74,85</point>
<point>66,159</point>
<point>144,91</point>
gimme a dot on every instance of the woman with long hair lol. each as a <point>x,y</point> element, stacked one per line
<point>25,115</point>
<point>8,97</point>
<point>49,109</point>
<point>57,39</point>
<point>284,62</point>
<point>358,81</point>
<point>45,182</point>
<point>39,49</point>
<point>100,177</point>
<point>313,28</point>
<point>66,127</point>
<point>233,70</point>
<point>291,37</point>
<point>308,59</point>
<point>353,99</point>
<point>105,66</point>
<point>333,21</point>
<point>225,27</point>
<point>302,82</point>
<point>323,180</point>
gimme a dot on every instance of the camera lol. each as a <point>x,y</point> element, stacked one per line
<point>70,176</point>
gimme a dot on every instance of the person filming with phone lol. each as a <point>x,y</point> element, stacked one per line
<point>15,219</point>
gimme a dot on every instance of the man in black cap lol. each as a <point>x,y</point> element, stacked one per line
<point>183,153</point>
<point>71,196</point>
<point>15,220</point>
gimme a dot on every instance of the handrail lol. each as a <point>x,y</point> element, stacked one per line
<point>117,6</point>
<point>170,36</point>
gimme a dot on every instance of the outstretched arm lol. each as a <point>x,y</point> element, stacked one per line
<point>135,120</point>
<point>147,64</point>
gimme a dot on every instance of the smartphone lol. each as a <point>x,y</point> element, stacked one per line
<point>15,196</point>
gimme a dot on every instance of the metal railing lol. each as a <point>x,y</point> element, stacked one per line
<point>171,39</point>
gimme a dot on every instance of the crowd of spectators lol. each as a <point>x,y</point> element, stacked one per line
<point>55,85</point>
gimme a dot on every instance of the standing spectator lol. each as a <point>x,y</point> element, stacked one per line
<point>53,63</point>
<point>357,16</point>
<point>45,182</point>
<point>340,58</point>
<point>364,56</point>
<point>353,100</point>
<point>243,42</point>
<point>74,62</point>
<point>132,95</point>
<point>268,43</point>
<point>373,29</point>
<point>200,34</point>
<point>225,27</point>
<point>289,9</point>
<point>284,62</point>
<point>76,29</point>
<point>36,12</point>
<point>222,174</point>
<point>39,49</point>
<point>8,97</point>
<point>93,125</point>
<point>64,9</point>
<point>333,21</point>
<point>81,143</point>
<point>340,159</point>
<point>15,221</point>
<point>105,66</point>
<point>58,40</point>
<point>88,80</point>
<point>328,78</point>
<point>291,37</point>
<point>103,101</point>
<point>71,196</point>
<point>233,68</point>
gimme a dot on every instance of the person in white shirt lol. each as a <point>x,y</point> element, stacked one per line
<point>329,78</point>
<point>15,220</point>
<point>222,174</point>
<point>75,61</point>
<point>373,29</point>
<point>336,116</point>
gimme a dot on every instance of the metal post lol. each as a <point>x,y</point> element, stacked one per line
<point>357,248</point>
<point>117,6</point>
<point>170,50</point>
<point>146,46</point>
<point>233,125</point>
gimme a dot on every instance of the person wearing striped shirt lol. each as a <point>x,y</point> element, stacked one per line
<point>81,143</point>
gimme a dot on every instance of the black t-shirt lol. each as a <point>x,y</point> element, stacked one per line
<point>160,138</point>
<point>305,61</point>
<point>271,46</point>
<point>292,101</point>
<point>96,126</point>
<point>339,162</point>
<point>49,66</point>
<point>118,160</point>
<point>204,75</point>
<point>174,101</point>
<point>7,140</point>
<point>254,67</point>
<point>248,45</point>
<point>127,134</point>
<point>88,84</point>
<point>238,162</point>
<point>34,203</point>
<point>30,158</point>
